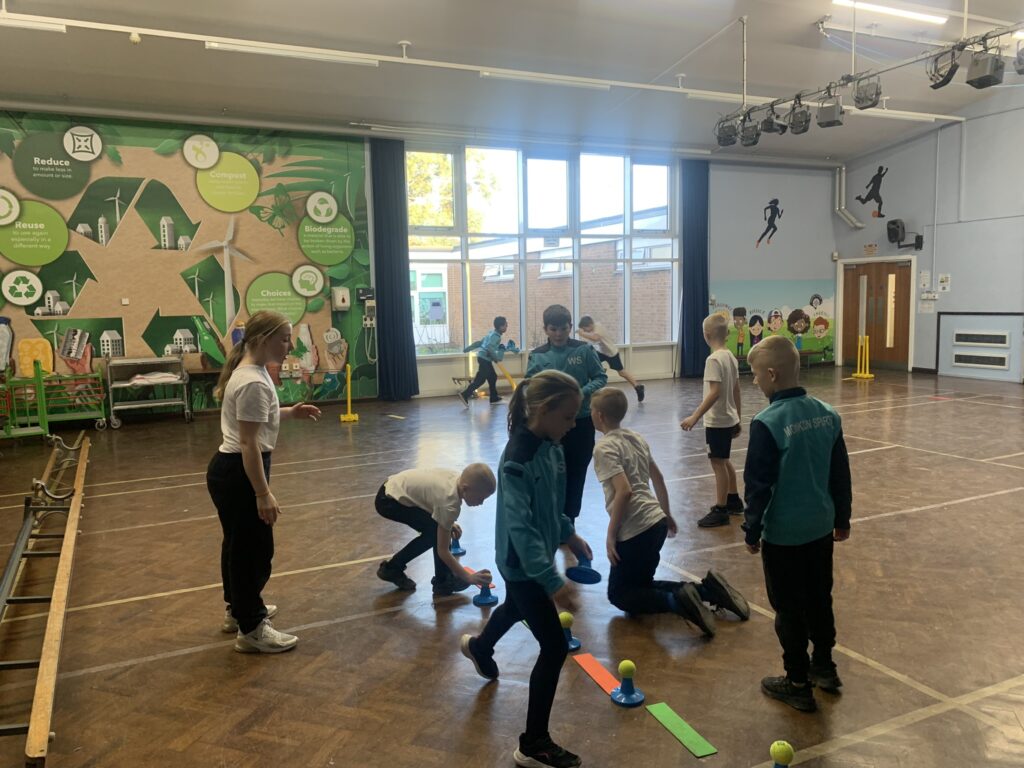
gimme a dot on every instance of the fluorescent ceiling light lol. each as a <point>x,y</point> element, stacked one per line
<point>6,20</point>
<point>530,77</point>
<point>1019,35</point>
<point>268,49</point>
<point>890,11</point>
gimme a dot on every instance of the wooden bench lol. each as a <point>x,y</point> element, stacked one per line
<point>38,507</point>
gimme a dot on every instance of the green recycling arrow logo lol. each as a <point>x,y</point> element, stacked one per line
<point>21,287</point>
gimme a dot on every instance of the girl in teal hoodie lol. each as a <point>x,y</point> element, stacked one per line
<point>530,526</point>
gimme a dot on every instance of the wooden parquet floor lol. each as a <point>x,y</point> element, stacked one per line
<point>927,600</point>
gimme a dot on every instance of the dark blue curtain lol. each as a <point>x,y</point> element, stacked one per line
<point>396,365</point>
<point>694,196</point>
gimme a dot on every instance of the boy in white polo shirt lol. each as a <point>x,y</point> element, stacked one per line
<point>640,522</point>
<point>720,408</point>
<point>429,501</point>
<point>607,351</point>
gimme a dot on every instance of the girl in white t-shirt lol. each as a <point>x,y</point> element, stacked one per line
<point>238,479</point>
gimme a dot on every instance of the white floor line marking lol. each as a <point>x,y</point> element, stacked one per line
<point>201,588</point>
<point>935,453</point>
<point>203,472</point>
<point>975,401</point>
<point>220,644</point>
<point>213,517</point>
<point>937,505</point>
<point>1007,456</point>
<point>875,665</point>
<point>274,476</point>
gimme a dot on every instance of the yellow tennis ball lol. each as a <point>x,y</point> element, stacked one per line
<point>781,752</point>
<point>566,619</point>
<point>627,668</point>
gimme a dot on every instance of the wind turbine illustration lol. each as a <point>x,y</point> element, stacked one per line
<point>54,330</point>
<point>209,306</point>
<point>116,200</point>
<point>75,285</point>
<point>227,251</point>
<point>196,280</point>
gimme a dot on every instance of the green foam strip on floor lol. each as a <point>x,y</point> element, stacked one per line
<point>681,729</point>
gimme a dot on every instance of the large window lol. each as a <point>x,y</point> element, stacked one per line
<point>500,231</point>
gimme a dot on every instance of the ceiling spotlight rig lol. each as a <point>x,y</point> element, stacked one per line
<point>985,69</point>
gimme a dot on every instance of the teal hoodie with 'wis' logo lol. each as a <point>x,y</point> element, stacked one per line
<point>530,523</point>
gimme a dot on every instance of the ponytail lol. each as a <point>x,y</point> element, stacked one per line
<point>548,389</point>
<point>258,328</point>
<point>517,407</point>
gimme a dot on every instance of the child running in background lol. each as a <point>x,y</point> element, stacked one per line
<point>490,351</point>
<point>721,408</point>
<point>798,505</point>
<point>429,501</point>
<point>579,360</point>
<point>608,352</point>
<point>530,526</point>
<point>640,522</point>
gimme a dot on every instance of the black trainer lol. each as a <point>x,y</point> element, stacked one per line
<point>734,505</point>
<point>783,689</point>
<point>462,396</point>
<point>544,754</point>
<point>691,608</point>
<point>716,517</point>
<point>395,576</point>
<point>497,399</point>
<point>640,392</point>
<point>721,594</point>
<point>826,677</point>
<point>448,585</point>
<point>485,666</point>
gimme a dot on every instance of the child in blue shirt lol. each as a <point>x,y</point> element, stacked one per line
<point>490,351</point>
<point>579,360</point>
<point>530,526</point>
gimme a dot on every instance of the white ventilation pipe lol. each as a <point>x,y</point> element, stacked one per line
<point>840,199</point>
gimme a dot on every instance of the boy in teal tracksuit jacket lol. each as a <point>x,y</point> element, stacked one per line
<point>490,351</point>
<point>579,360</point>
<point>798,496</point>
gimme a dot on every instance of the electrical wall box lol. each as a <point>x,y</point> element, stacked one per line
<point>341,299</point>
<point>370,314</point>
<point>364,294</point>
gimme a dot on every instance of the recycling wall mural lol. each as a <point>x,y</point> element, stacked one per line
<point>123,238</point>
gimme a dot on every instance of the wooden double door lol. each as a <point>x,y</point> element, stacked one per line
<point>885,288</point>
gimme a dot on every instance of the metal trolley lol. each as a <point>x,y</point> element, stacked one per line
<point>121,377</point>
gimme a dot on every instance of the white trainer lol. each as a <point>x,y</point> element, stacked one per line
<point>265,639</point>
<point>230,626</point>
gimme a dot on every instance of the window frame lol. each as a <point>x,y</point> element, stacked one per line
<point>564,264</point>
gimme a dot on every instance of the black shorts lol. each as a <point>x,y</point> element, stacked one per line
<point>614,362</point>
<point>719,440</point>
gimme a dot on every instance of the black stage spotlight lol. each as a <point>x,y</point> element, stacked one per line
<point>750,132</point>
<point>942,69</point>
<point>986,69</point>
<point>799,118</point>
<point>726,131</point>
<point>867,93</point>
<point>772,123</point>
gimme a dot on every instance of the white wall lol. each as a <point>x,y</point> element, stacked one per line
<point>802,248</point>
<point>961,187</point>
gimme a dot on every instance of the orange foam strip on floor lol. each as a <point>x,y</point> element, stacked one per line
<point>597,672</point>
<point>470,571</point>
